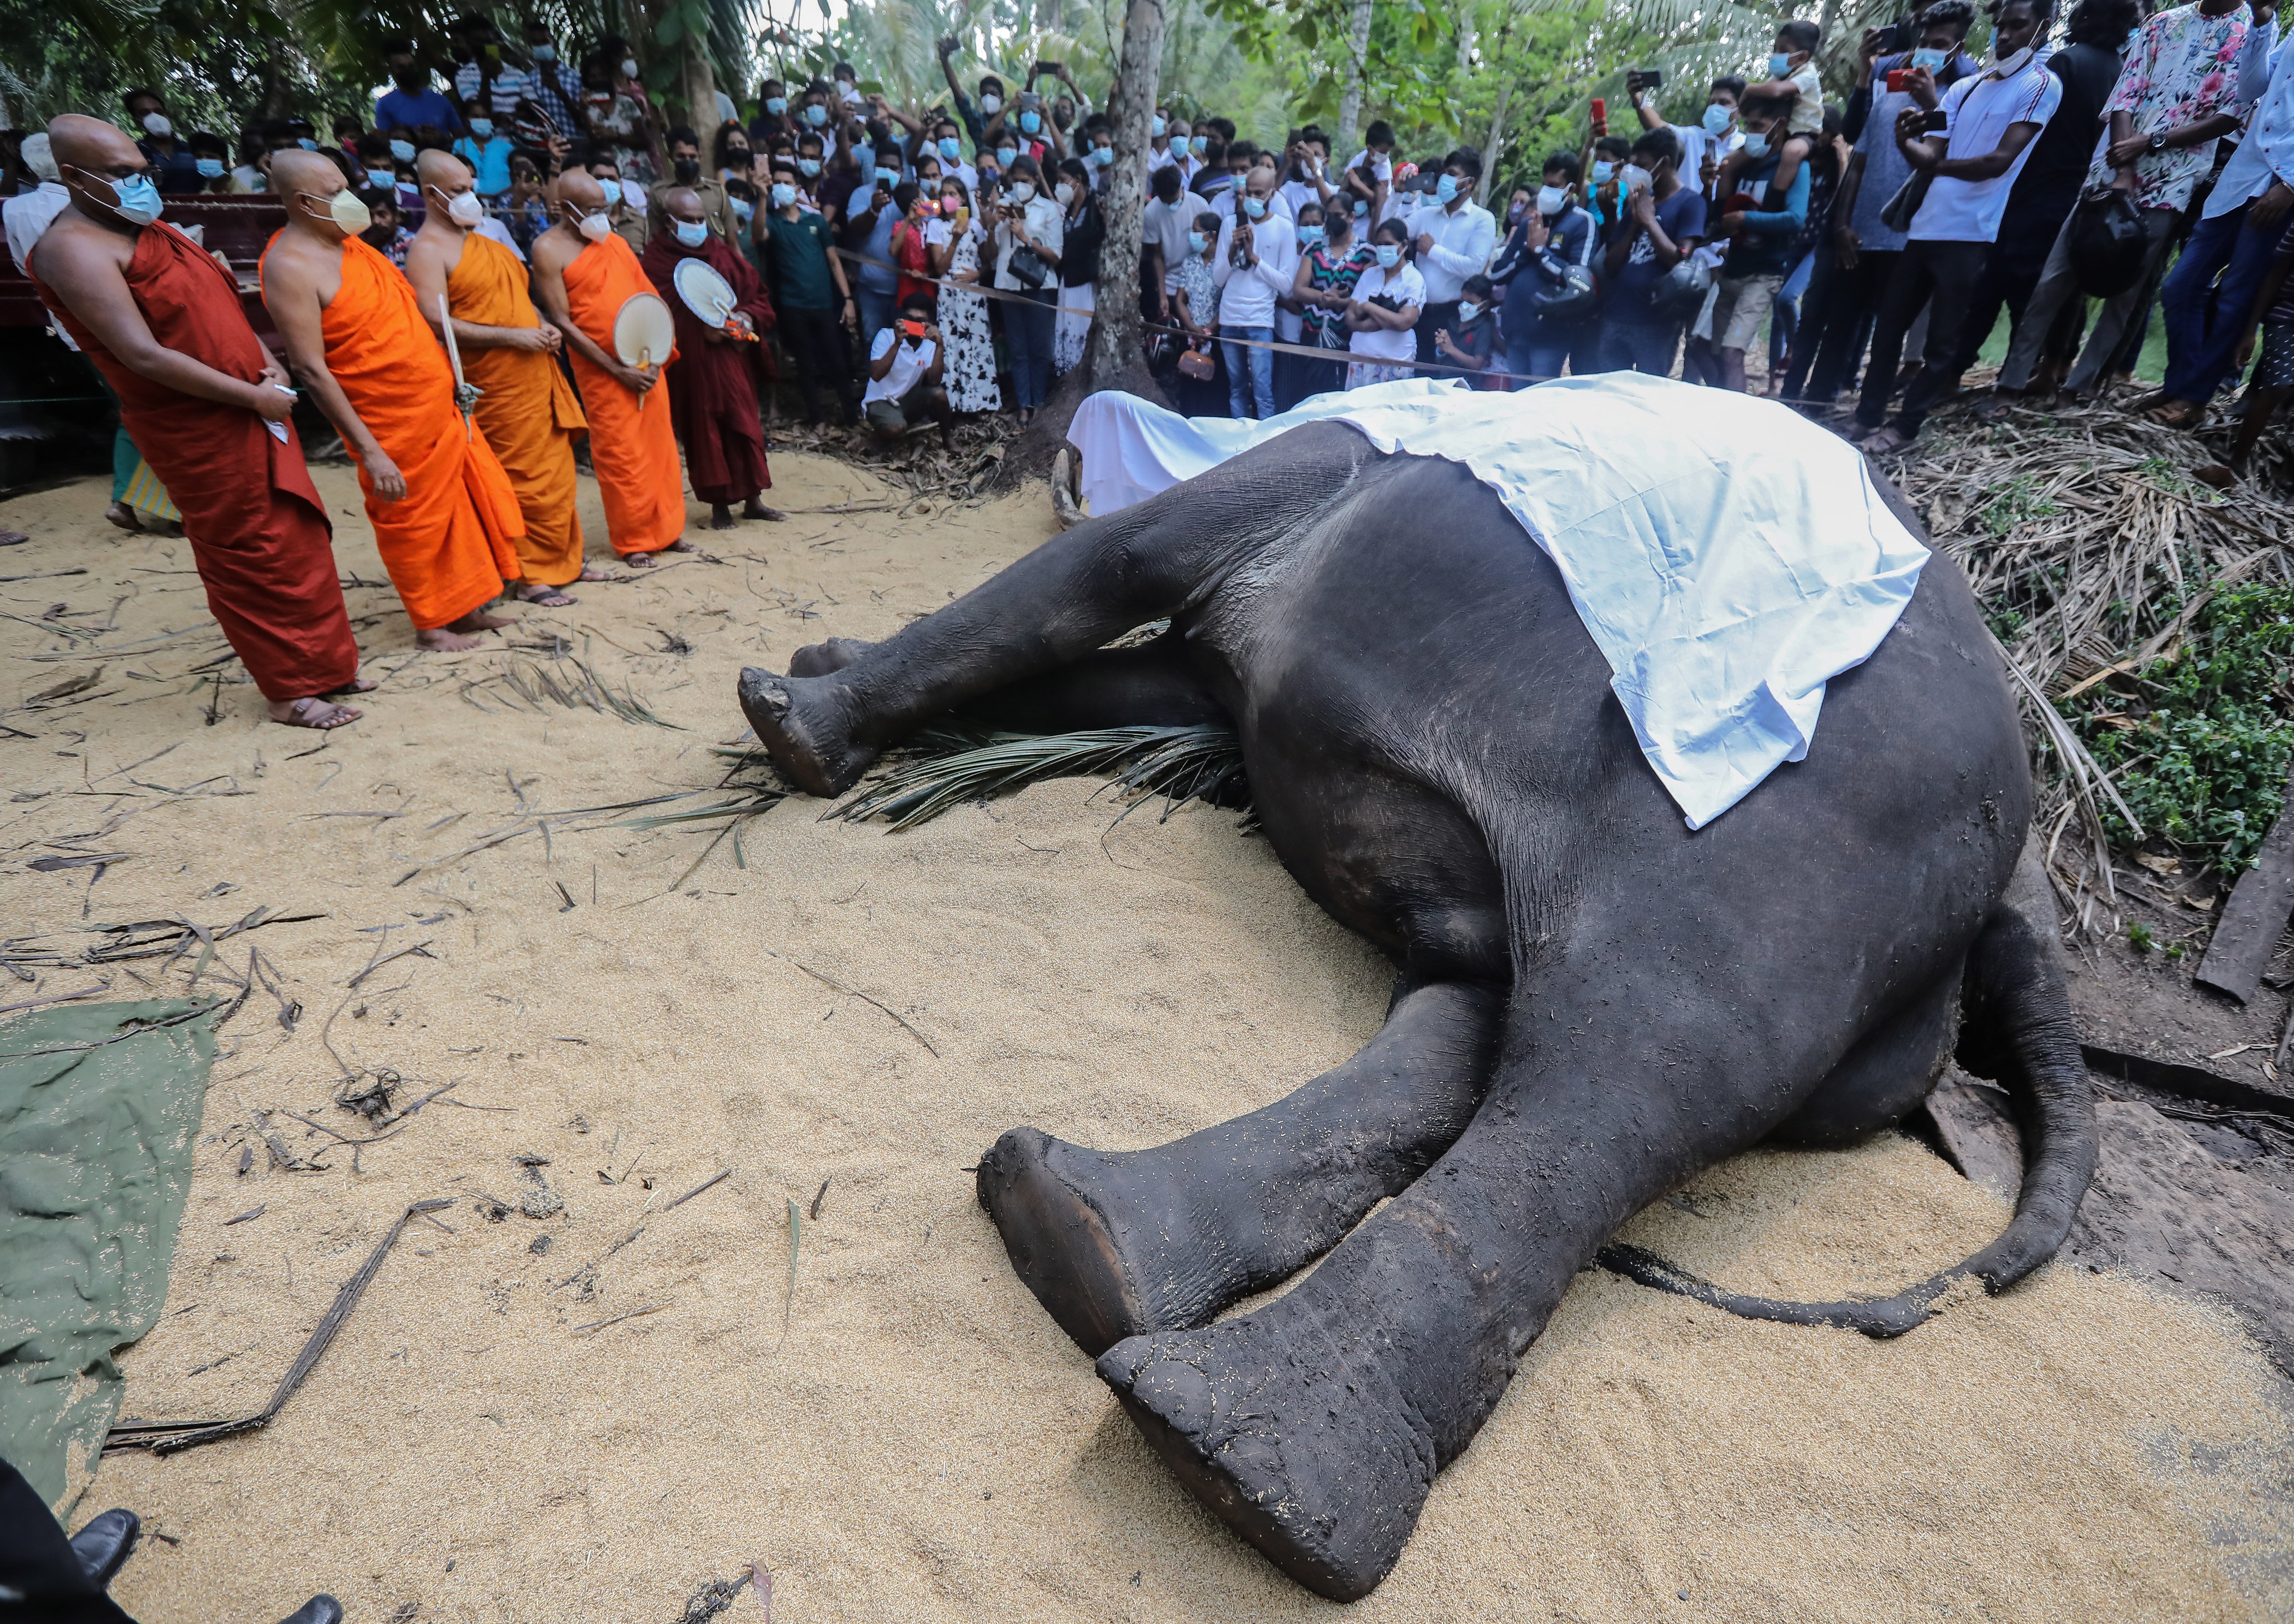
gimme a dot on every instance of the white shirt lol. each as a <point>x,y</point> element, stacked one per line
<point>1463,242</point>
<point>28,217</point>
<point>1696,142</point>
<point>1046,224</point>
<point>1297,194</point>
<point>494,228</point>
<point>1979,112</point>
<point>911,363</point>
<point>510,85</point>
<point>1247,296</point>
<point>1405,285</point>
<point>2267,155</point>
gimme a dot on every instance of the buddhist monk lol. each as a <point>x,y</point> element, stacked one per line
<point>582,276</point>
<point>208,409</point>
<point>445,519</point>
<point>526,409</point>
<point>712,390</point>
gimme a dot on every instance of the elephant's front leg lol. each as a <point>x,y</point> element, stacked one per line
<point>1068,598</point>
<point>1117,1243</point>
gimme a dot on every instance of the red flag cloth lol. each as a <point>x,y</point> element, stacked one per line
<point>712,388</point>
<point>258,532</point>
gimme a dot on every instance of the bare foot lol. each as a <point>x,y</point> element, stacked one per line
<point>590,571</point>
<point>123,515</point>
<point>1883,442</point>
<point>313,712</point>
<point>720,516</point>
<point>444,642</point>
<point>758,510</point>
<point>542,595</point>
<point>639,560</point>
<point>680,546</point>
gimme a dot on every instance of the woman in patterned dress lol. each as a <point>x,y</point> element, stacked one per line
<point>968,371</point>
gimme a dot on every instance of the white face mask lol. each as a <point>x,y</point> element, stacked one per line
<point>1022,192</point>
<point>1635,175</point>
<point>463,209</point>
<point>1065,192</point>
<point>595,227</point>
<point>1467,309</point>
<point>629,67</point>
<point>1551,200</point>
<point>2004,65</point>
<point>344,209</point>
<point>157,125</point>
<point>991,105</point>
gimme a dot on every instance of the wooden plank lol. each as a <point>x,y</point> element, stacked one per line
<point>2255,916</point>
<point>1975,1124</point>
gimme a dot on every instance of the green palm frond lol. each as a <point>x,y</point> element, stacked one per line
<point>1180,764</point>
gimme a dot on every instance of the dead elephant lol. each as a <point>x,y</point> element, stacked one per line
<point>1593,1003</point>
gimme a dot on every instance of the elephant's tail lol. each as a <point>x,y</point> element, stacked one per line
<point>2016,1029</point>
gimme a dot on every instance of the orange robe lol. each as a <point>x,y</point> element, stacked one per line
<point>529,412</point>
<point>451,542</point>
<point>632,442</point>
<point>258,532</point>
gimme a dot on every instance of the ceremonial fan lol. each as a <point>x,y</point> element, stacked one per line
<point>466,394</point>
<point>643,333</point>
<point>707,294</point>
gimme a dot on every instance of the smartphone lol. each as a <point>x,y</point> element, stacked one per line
<point>1905,36</point>
<point>1896,79</point>
<point>1652,78</point>
<point>1936,120</point>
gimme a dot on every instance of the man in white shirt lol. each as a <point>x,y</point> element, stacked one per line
<point>1715,136</point>
<point>1253,264</point>
<point>2235,239</point>
<point>1159,155</point>
<point>1163,228</point>
<point>1988,124</point>
<point>29,214</point>
<point>904,372</point>
<point>1455,237</point>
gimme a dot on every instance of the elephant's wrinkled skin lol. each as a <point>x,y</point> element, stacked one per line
<point>1594,1003</point>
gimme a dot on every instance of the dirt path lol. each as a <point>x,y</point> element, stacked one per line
<point>909,1437</point>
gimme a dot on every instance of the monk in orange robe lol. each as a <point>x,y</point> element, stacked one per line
<point>445,519</point>
<point>582,276</point>
<point>526,406</point>
<point>208,409</point>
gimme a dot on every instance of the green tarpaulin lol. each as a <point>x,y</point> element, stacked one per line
<point>99,1103</point>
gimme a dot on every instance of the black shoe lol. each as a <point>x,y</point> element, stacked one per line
<point>318,1610</point>
<point>105,1545</point>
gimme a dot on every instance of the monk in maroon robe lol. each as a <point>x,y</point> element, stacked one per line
<point>208,409</point>
<point>712,390</point>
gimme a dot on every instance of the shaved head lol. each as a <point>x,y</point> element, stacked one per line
<point>93,144</point>
<point>434,166</point>
<point>294,170</point>
<point>579,190</point>
<point>684,203</point>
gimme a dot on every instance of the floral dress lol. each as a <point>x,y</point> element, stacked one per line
<point>969,375</point>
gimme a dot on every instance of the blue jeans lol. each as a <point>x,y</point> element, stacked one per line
<point>1783,316</point>
<point>2203,321</point>
<point>1637,347</point>
<point>1029,332</point>
<point>879,309</point>
<point>1258,365</point>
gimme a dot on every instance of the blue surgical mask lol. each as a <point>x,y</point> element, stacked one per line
<point>211,168</point>
<point>1201,143</point>
<point>135,199</point>
<point>1467,309</point>
<point>1717,118</point>
<point>545,54</point>
<point>1389,254</point>
<point>483,129</point>
<point>1779,64</point>
<point>1005,155</point>
<point>1309,235</point>
<point>810,167</point>
<point>1155,126</point>
<point>1602,171</point>
<point>783,194</point>
<point>1930,60</point>
<point>1756,145</point>
<point>1362,208</point>
<point>950,150</point>
<point>816,115</point>
<point>1030,123</point>
<point>1445,190</point>
<point>742,210</point>
<point>889,177</point>
<point>1102,156</point>
<point>309,143</point>
<point>1256,208</point>
<point>402,150</point>
<point>1197,242</point>
<point>692,233</point>
<point>776,105</point>
<point>384,179</point>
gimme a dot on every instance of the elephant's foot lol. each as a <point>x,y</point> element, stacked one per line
<point>798,722</point>
<point>1298,1436</point>
<point>1072,1221</point>
<point>820,659</point>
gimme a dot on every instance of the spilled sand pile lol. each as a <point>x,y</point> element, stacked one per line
<point>907,1436</point>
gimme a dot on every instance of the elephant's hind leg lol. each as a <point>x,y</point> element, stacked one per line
<point>1119,1244</point>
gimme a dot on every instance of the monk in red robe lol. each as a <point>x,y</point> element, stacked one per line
<point>712,392</point>
<point>208,409</point>
<point>445,516</point>
<point>584,275</point>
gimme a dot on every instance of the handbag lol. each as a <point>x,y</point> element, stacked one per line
<point>1897,216</point>
<point>2109,248</point>
<point>1196,364</point>
<point>1028,268</point>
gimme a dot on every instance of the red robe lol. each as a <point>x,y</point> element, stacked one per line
<point>712,390</point>
<point>258,532</point>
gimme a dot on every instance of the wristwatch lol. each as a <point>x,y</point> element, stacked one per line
<point>2158,141</point>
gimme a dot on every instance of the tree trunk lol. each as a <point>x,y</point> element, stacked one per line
<point>1357,61</point>
<point>1114,357</point>
<point>1494,148</point>
<point>697,83</point>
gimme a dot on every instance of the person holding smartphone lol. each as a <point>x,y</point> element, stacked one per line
<point>1971,141</point>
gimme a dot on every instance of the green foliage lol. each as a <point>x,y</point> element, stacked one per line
<point>2202,758</point>
<point>2014,502</point>
<point>2139,937</point>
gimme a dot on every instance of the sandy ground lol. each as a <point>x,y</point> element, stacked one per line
<point>909,1437</point>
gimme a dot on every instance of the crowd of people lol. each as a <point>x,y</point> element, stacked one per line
<point>906,267</point>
